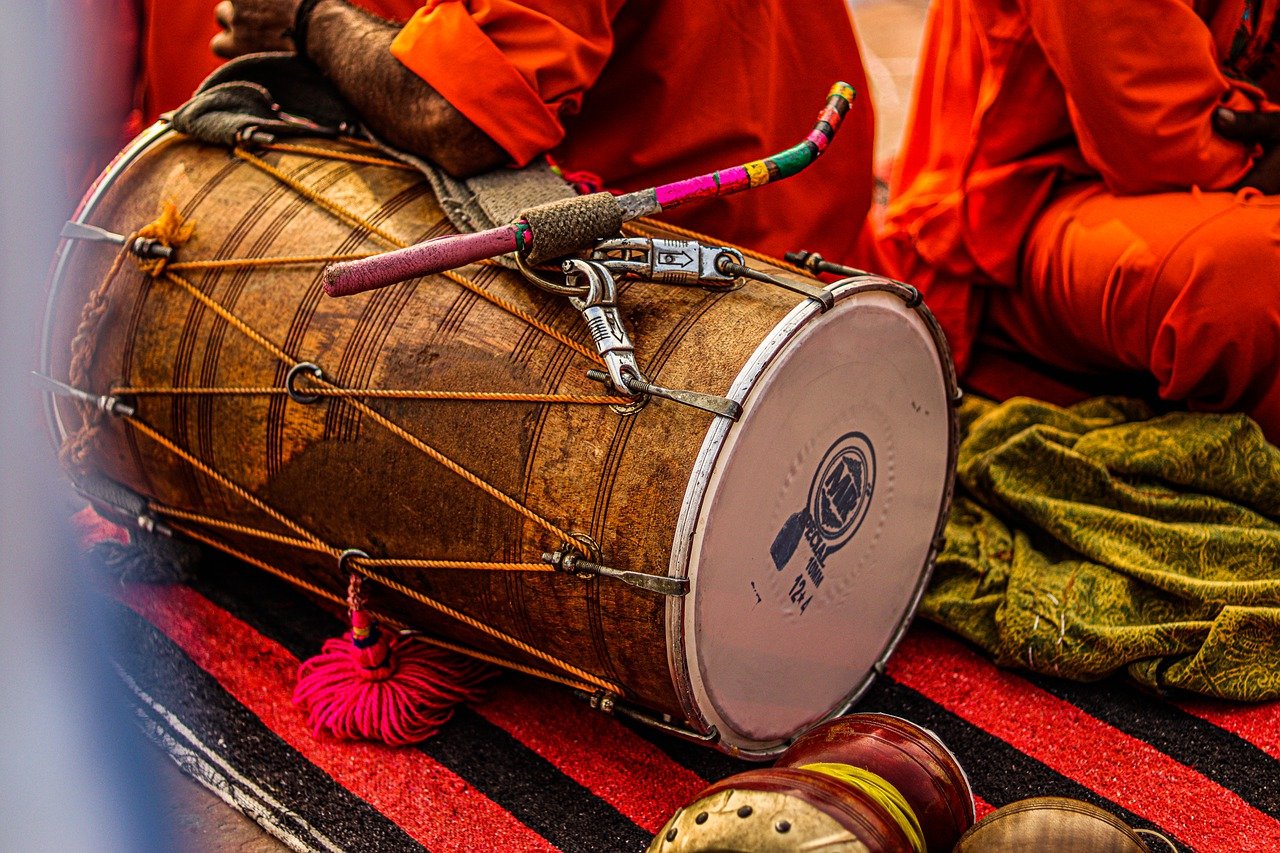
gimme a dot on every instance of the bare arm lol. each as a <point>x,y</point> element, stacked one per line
<point>353,49</point>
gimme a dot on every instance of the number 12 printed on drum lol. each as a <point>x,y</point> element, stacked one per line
<point>447,429</point>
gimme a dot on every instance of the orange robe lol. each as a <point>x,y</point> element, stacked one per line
<point>643,93</point>
<point>1057,187</point>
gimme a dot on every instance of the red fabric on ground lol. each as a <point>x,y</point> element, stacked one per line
<point>260,674</point>
<point>1258,724</point>
<point>615,763</point>
<point>1116,765</point>
<point>982,712</point>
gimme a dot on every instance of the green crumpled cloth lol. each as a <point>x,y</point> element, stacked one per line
<point>1101,537</point>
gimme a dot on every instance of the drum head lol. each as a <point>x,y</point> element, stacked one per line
<point>816,517</point>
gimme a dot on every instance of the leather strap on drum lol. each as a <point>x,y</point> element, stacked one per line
<point>564,227</point>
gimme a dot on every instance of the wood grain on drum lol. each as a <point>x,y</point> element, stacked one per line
<point>338,468</point>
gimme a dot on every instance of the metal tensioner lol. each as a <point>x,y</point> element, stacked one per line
<point>564,560</point>
<point>694,264</point>
<point>599,306</point>
<point>680,262</point>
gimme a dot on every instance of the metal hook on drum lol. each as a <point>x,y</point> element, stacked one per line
<point>291,379</point>
<point>349,555</point>
<point>544,280</point>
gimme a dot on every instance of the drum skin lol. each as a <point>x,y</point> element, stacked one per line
<point>910,758</point>
<point>618,479</point>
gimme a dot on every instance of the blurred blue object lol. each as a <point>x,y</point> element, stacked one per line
<point>75,771</point>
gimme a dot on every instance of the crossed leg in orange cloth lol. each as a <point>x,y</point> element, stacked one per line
<point>1095,185</point>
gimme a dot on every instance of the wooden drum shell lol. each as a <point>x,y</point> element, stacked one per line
<point>332,468</point>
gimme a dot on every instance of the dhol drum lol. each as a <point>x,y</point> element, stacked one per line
<point>736,581</point>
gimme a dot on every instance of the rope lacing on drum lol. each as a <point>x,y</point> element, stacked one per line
<point>588,681</point>
<point>77,444</point>
<point>362,565</point>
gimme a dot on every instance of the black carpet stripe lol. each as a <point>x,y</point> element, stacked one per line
<point>1216,754</point>
<point>531,788</point>
<point>705,761</point>
<point>163,670</point>
<point>998,772</point>
<point>499,766</point>
<point>273,607</point>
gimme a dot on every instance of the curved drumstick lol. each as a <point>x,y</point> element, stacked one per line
<point>445,253</point>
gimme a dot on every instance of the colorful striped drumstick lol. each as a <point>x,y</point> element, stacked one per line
<point>445,253</point>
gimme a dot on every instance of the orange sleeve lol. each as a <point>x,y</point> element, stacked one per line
<point>1142,80</point>
<point>514,69</point>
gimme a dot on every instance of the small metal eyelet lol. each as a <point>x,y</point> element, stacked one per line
<point>588,546</point>
<point>291,379</point>
<point>912,296</point>
<point>349,555</point>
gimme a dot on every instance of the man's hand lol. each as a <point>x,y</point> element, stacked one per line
<point>1254,128</point>
<point>253,26</point>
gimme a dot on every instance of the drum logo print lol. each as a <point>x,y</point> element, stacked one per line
<point>839,497</point>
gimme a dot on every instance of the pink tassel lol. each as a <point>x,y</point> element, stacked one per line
<point>369,686</point>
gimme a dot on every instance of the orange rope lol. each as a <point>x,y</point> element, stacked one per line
<point>462,472</point>
<point>512,309</point>
<point>493,632</point>
<point>229,484</point>
<point>320,547</point>
<point>240,325</point>
<point>408,593</point>
<point>331,154</point>
<point>200,536</point>
<point>461,565</point>
<point>378,393</point>
<point>356,221</point>
<point>74,452</point>
<point>375,415</point>
<point>395,624</point>
<point>311,195</point>
<point>172,222</point>
<point>244,530</point>
<point>252,263</point>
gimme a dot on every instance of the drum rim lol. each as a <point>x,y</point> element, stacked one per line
<point>753,369</point>
<point>141,143</point>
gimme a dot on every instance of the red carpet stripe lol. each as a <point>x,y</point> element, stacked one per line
<point>431,803</point>
<point>598,752</point>
<point>999,772</point>
<point>1124,769</point>
<point>492,760</point>
<point>981,808</point>
<point>1258,724</point>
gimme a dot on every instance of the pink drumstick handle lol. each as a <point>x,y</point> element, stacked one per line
<point>445,253</point>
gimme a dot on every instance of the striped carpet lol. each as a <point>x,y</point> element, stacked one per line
<point>212,665</point>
